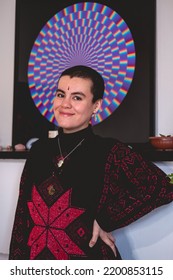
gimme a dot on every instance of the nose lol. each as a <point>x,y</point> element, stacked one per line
<point>66,102</point>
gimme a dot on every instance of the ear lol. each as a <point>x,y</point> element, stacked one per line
<point>97,105</point>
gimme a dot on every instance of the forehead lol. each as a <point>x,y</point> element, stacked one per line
<point>76,83</point>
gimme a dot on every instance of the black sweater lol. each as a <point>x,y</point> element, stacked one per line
<point>100,179</point>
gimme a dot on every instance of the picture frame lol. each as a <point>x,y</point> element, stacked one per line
<point>133,121</point>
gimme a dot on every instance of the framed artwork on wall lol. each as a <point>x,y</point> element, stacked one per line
<point>117,39</point>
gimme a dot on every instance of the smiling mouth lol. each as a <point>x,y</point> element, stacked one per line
<point>65,114</point>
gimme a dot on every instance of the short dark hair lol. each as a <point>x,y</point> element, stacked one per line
<point>82,71</point>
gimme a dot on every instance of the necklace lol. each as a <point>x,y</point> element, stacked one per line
<point>61,161</point>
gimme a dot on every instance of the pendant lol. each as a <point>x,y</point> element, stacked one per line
<point>60,162</point>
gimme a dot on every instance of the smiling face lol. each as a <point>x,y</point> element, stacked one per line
<point>73,105</point>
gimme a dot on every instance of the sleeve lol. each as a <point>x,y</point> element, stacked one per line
<point>18,244</point>
<point>132,188</point>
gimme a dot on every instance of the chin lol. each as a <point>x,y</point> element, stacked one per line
<point>65,126</point>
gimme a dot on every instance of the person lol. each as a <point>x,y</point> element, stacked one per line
<point>78,187</point>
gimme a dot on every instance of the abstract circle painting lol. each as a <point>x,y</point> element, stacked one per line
<point>90,34</point>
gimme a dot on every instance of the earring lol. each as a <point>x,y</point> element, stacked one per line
<point>95,117</point>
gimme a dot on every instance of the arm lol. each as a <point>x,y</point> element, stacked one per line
<point>132,188</point>
<point>18,243</point>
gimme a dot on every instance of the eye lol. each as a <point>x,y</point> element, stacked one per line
<point>77,97</point>
<point>59,94</point>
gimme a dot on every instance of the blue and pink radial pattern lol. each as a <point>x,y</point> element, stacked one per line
<point>86,33</point>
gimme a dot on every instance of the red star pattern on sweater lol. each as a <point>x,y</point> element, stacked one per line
<point>50,224</point>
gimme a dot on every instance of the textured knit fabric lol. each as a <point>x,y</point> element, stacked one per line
<point>101,179</point>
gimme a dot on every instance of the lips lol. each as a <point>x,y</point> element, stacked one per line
<point>66,114</point>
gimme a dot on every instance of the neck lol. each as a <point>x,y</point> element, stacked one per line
<point>68,140</point>
<point>70,131</point>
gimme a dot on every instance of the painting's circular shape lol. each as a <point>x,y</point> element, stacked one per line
<point>88,34</point>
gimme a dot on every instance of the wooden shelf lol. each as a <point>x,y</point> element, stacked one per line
<point>12,154</point>
<point>152,154</point>
<point>144,148</point>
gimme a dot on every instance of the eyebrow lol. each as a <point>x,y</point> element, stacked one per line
<point>73,93</point>
<point>60,90</point>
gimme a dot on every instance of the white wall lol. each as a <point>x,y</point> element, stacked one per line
<point>164,77</point>
<point>10,171</point>
<point>151,236</point>
<point>7,30</point>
